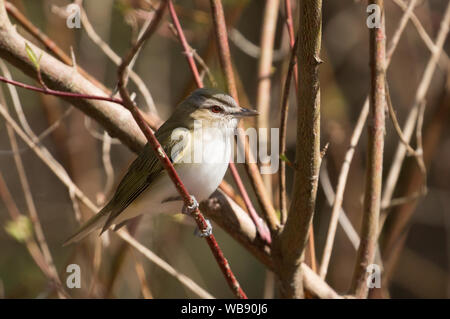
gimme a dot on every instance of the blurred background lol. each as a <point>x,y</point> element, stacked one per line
<point>422,267</point>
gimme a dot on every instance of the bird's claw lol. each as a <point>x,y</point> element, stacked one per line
<point>206,232</point>
<point>189,209</point>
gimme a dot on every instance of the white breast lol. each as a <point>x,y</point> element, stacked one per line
<point>201,179</point>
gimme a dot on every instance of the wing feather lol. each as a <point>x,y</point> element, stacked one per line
<point>141,173</point>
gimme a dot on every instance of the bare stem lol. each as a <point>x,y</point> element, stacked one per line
<point>48,91</point>
<point>224,49</point>
<point>376,130</point>
<point>250,163</point>
<point>396,228</point>
<point>269,25</point>
<point>354,139</point>
<point>283,129</point>
<point>394,172</point>
<point>293,238</point>
<point>422,32</point>
<point>92,34</point>
<point>187,51</point>
<point>292,38</point>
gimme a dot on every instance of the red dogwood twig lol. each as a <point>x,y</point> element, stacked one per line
<point>290,28</point>
<point>187,50</point>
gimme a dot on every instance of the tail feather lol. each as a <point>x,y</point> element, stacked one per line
<point>95,222</point>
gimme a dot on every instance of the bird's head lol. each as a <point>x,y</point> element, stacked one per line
<point>212,107</point>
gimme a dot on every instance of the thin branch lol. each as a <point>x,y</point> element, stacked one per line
<point>315,284</point>
<point>220,29</point>
<point>96,134</point>
<point>397,127</point>
<point>292,38</point>
<point>422,32</point>
<point>311,251</point>
<point>397,163</point>
<point>354,139</point>
<point>75,206</point>
<point>238,224</point>
<point>344,221</point>
<point>246,46</point>
<point>418,154</point>
<point>269,25</point>
<point>187,52</point>
<point>261,226</point>
<point>140,272</point>
<point>186,281</point>
<point>64,94</point>
<point>48,91</point>
<point>375,148</point>
<point>106,159</point>
<point>283,130</point>
<point>401,201</point>
<point>197,57</point>
<point>419,141</point>
<point>250,163</point>
<point>44,133</point>
<point>395,229</point>
<point>116,59</point>
<point>342,181</point>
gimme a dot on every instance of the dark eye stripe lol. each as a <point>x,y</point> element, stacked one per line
<point>216,109</point>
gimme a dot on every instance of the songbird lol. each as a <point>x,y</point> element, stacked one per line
<point>198,139</point>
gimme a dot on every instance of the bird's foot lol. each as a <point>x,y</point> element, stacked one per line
<point>206,232</point>
<point>189,209</point>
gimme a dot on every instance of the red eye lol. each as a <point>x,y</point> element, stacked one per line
<point>216,109</point>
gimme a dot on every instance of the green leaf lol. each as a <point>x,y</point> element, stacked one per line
<point>20,229</point>
<point>32,56</point>
<point>284,158</point>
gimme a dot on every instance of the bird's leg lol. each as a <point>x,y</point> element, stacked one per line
<point>188,210</point>
<point>204,233</point>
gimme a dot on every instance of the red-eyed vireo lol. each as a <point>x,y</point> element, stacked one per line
<point>198,139</point>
